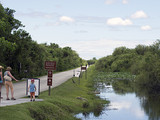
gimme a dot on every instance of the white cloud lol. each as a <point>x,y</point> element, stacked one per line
<point>138,112</point>
<point>146,27</point>
<point>124,1</point>
<point>108,2</point>
<point>121,105</point>
<point>139,14</point>
<point>37,14</point>
<point>119,21</point>
<point>66,19</point>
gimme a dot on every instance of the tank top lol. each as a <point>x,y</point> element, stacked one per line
<point>32,87</point>
<point>6,73</point>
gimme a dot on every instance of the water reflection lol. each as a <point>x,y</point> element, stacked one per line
<point>148,102</point>
<point>151,106</point>
<point>127,103</point>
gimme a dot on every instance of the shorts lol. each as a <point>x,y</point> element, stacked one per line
<point>8,85</point>
<point>32,93</point>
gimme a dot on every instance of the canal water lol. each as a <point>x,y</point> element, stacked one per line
<point>124,106</point>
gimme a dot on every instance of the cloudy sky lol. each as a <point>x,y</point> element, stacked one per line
<point>93,28</point>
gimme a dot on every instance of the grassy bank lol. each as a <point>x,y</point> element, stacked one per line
<point>65,101</point>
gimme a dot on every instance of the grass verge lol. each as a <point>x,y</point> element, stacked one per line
<point>65,100</point>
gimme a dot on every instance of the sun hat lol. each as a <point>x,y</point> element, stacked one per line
<point>9,68</point>
<point>1,67</point>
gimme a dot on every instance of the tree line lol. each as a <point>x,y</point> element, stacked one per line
<point>142,61</point>
<point>24,55</point>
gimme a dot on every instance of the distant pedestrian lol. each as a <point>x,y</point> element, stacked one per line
<point>8,82</point>
<point>32,89</point>
<point>1,81</point>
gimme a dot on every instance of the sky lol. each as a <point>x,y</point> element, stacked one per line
<point>93,28</point>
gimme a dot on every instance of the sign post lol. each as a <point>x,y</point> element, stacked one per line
<point>84,68</point>
<point>50,65</point>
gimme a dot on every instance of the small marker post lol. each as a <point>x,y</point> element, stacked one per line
<point>50,65</point>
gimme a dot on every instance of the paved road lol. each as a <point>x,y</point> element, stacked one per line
<point>58,78</point>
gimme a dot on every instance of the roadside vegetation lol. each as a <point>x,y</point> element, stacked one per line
<point>65,101</point>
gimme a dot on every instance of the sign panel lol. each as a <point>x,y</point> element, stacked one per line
<point>83,68</point>
<point>50,65</point>
<point>77,73</point>
<point>37,84</point>
<point>49,81</point>
<point>50,73</point>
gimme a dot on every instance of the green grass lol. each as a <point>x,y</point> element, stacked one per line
<point>62,104</point>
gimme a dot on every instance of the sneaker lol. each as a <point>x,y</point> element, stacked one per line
<point>1,97</point>
<point>34,100</point>
<point>13,98</point>
<point>30,100</point>
<point>7,99</point>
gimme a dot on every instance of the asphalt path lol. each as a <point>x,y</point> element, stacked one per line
<point>20,87</point>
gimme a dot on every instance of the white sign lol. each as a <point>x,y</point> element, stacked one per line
<point>37,84</point>
<point>77,73</point>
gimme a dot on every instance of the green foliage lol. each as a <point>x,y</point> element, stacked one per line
<point>149,75</point>
<point>25,56</point>
<point>116,63</point>
<point>6,45</point>
<point>141,49</point>
<point>120,50</point>
<point>143,61</point>
<point>92,61</point>
<point>104,64</point>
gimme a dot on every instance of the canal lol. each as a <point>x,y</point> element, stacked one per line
<point>126,102</point>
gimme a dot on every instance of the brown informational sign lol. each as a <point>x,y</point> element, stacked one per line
<point>49,81</point>
<point>83,68</point>
<point>50,65</point>
<point>50,73</point>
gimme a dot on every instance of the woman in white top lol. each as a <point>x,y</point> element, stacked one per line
<point>8,84</point>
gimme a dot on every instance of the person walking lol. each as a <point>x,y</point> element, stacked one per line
<point>32,89</point>
<point>1,81</point>
<point>8,83</point>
